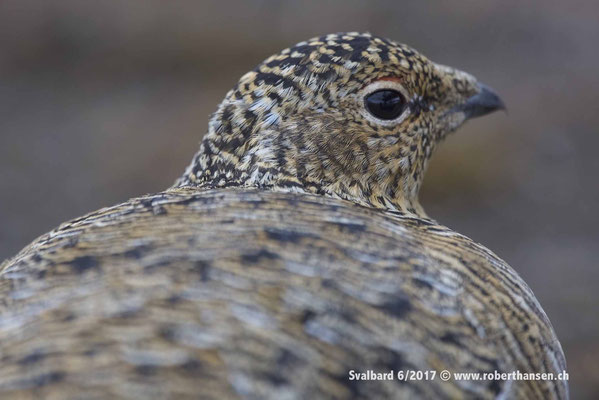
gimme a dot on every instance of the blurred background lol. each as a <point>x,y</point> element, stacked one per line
<point>103,101</point>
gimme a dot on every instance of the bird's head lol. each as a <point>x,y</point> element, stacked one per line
<point>346,115</point>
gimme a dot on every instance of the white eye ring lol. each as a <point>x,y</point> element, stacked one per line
<point>378,85</point>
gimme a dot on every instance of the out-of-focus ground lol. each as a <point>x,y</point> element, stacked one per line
<point>103,101</point>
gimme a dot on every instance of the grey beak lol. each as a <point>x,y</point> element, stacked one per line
<point>484,102</point>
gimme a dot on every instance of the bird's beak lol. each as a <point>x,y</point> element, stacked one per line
<point>484,102</point>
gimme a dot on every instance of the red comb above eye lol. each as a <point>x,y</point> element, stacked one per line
<point>390,78</point>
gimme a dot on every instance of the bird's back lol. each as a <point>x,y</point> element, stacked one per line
<point>263,294</point>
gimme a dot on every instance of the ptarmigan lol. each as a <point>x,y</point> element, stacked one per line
<point>290,258</point>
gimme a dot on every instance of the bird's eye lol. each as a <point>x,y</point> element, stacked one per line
<point>385,104</point>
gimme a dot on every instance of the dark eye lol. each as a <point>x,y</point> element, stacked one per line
<point>385,104</point>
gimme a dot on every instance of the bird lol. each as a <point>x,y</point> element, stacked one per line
<point>291,260</point>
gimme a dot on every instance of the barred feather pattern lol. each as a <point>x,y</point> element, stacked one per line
<point>261,294</point>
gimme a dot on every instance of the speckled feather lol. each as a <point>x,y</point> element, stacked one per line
<point>297,123</point>
<point>262,276</point>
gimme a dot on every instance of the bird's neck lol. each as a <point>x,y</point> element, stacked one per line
<point>262,168</point>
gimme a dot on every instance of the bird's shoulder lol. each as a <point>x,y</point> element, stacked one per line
<point>239,221</point>
<point>187,278</point>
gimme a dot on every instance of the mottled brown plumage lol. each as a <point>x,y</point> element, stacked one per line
<point>291,251</point>
<point>298,123</point>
